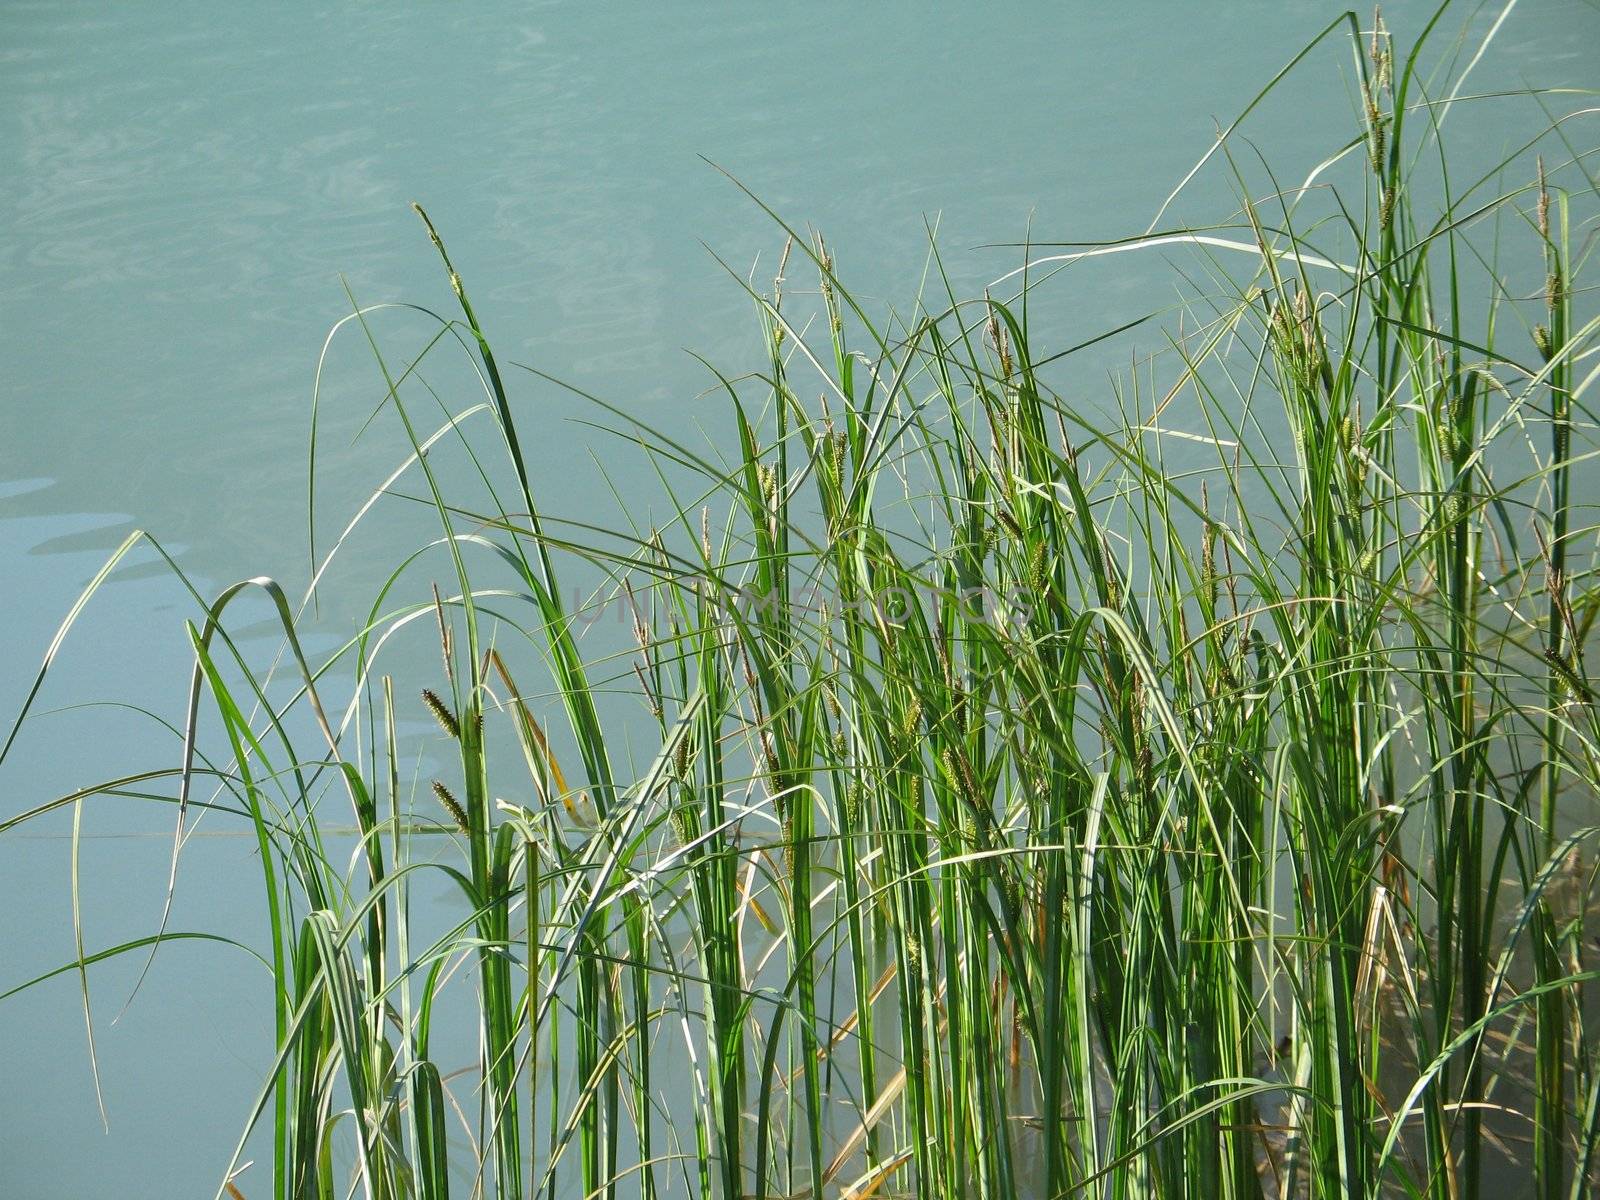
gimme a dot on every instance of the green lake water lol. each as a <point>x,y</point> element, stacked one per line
<point>185,192</point>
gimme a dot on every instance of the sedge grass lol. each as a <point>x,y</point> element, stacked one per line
<point>1032,807</point>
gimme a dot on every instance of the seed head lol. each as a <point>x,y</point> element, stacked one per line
<point>1376,136</point>
<point>1569,677</point>
<point>441,713</point>
<point>1541,339</point>
<point>1553,291</point>
<point>913,717</point>
<point>767,477</point>
<point>1544,203</point>
<point>1001,343</point>
<point>1038,570</point>
<point>452,806</point>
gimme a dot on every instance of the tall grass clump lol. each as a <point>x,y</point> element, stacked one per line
<point>1189,793</point>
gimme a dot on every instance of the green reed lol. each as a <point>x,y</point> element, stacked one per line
<point>1031,807</point>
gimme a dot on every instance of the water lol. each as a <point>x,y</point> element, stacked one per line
<point>181,193</point>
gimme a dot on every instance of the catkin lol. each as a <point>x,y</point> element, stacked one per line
<point>452,806</point>
<point>1541,340</point>
<point>1544,204</point>
<point>1208,566</point>
<point>441,713</point>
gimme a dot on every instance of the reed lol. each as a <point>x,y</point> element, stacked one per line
<point>1186,795</point>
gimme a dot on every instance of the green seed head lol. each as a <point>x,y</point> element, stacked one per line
<point>1541,340</point>
<point>1038,570</point>
<point>913,718</point>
